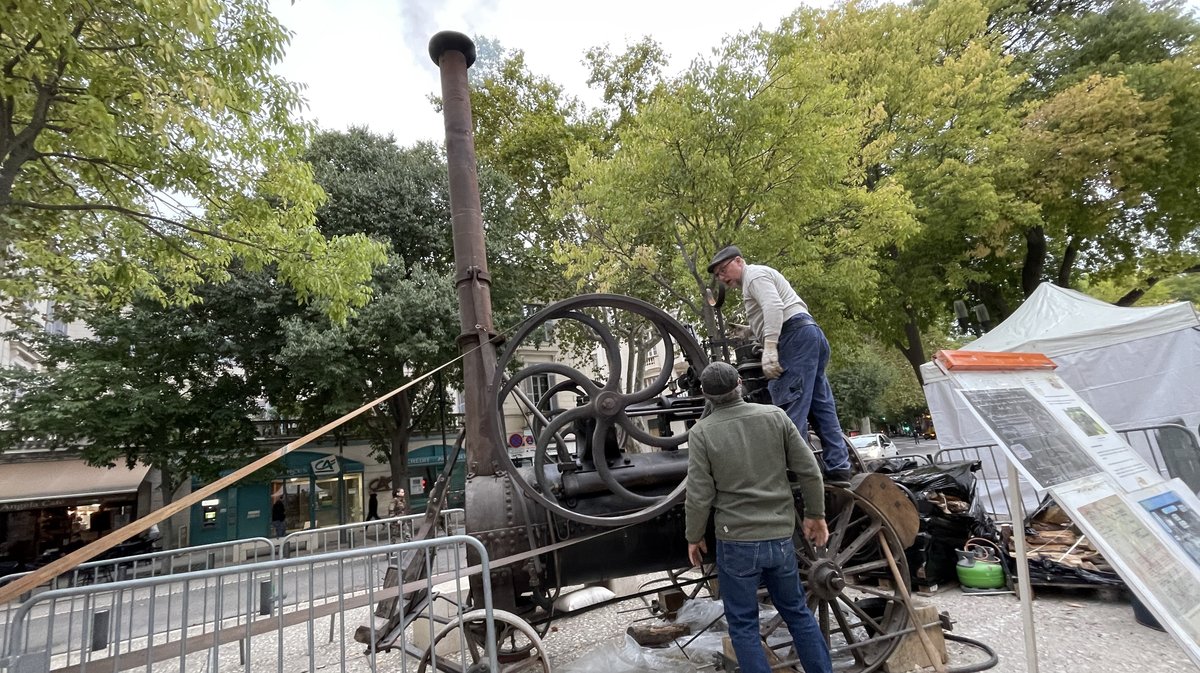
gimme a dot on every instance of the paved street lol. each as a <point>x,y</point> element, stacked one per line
<point>909,446</point>
<point>1076,631</point>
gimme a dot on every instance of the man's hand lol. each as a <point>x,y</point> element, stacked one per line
<point>816,531</point>
<point>696,551</point>
<point>740,332</point>
<point>770,360</point>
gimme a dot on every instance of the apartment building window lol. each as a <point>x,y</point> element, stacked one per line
<point>537,386</point>
<point>53,324</point>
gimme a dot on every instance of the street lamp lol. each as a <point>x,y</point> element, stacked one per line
<point>980,325</point>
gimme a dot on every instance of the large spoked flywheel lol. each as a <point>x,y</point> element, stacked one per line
<point>605,428</point>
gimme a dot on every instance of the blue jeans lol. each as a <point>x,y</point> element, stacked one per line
<point>803,391</point>
<point>740,568</point>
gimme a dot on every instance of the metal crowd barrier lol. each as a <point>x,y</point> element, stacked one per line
<point>367,533</point>
<point>1172,449</point>
<point>263,617</point>
<point>151,564</point>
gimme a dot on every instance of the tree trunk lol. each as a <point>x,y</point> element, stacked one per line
<point>401,407</point>
<point>914,350</point>
<point>1136,293</point>
<point>1035,259</point>
<point>167,486</point>
<point>1066,266</point>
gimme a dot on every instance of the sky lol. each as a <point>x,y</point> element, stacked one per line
<point>366,62</point>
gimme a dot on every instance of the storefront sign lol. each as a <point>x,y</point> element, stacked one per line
<point>326,466</point>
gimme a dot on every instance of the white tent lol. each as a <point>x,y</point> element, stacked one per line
<point>1135,366</point>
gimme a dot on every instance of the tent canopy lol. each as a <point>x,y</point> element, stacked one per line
<point>1135,366</point>
<point>1058,321</point>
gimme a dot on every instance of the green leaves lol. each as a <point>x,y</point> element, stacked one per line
<point>149,144</point>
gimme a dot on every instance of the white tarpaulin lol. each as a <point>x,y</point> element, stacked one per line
<point>1135,366</point>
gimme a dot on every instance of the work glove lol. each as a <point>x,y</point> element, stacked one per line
<point>740,332</point>
<point>770,360</point>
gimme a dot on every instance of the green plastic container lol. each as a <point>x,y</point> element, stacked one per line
<point>978,573</point>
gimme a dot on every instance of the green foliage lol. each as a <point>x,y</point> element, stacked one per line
<point>731,151</point>
<point>398,196</point>
<point>159,386</point>
<point>145,145</point>
<point>1112,133</point>
<point>858,387</point>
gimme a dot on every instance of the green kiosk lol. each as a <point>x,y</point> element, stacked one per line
<point>316,489</point>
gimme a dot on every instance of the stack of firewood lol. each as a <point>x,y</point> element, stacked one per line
<point>1051,538</point>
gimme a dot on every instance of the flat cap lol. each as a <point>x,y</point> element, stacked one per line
<point>728,252</point>
<point>719,378</point>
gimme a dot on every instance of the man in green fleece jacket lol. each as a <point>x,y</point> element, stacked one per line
<point>738,457</point>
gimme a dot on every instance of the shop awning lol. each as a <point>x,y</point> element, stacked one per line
<point>63,480</point>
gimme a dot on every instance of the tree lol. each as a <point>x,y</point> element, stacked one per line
<point>756,147</point>
<point>398,196</point>
<point>1130,215</point>
<point>940,130</point>
<point>145,145</point>
<point>157,386</point>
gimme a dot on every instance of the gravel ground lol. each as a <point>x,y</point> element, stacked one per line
<point>1077,630</point>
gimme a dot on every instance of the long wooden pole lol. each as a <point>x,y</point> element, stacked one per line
<point>935,657</point>
<point>11,591</point>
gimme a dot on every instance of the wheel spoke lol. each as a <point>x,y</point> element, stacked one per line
<point>847,632</point>
<point>844,555</point>
<point>863,567</point>
<point>862,633</point>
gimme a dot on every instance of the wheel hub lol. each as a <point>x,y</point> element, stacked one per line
<point>826,581</point>
<point>609,403</point>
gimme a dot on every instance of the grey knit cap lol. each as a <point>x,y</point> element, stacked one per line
<point>719,378</point>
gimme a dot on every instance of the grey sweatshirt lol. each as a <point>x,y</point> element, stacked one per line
<point>770,301</point>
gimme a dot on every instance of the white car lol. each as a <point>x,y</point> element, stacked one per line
<point>873,446</point>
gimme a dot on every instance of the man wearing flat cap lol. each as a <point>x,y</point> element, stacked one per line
<point>738,458</point>
<point>795,353</point>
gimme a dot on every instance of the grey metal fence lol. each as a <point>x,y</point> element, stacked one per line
<point>366,533</point>
<point>166,562</point>
<point>267,616</point>
<point>1172,449</point>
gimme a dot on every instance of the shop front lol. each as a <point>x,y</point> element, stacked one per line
<point>315,490</point>
<point>51,507</point>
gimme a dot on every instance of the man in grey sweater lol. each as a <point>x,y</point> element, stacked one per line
<point>795,353</point>
<point>738,457</point>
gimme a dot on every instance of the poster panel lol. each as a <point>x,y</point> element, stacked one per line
<point>1150,537</point>
<point>1052,435</point>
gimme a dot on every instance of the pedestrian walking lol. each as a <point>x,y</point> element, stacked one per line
<point>738,458</point>
<point>372,507</point>
<point>279,517</point>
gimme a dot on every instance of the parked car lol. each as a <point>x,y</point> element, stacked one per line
<point>873,446</point>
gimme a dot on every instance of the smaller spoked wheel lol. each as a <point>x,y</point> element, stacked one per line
<point>693,581</point>
<point>464,650</point>
<point>850,587</point>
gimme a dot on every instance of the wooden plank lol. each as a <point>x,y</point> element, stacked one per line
<point>12,591</point>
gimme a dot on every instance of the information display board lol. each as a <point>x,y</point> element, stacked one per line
<point>1151,538</point>
<point>1051,434</point>
<point>1148,528</point>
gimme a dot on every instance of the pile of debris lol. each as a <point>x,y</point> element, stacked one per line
<point>949,514</point>
<point>1059,553</point>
